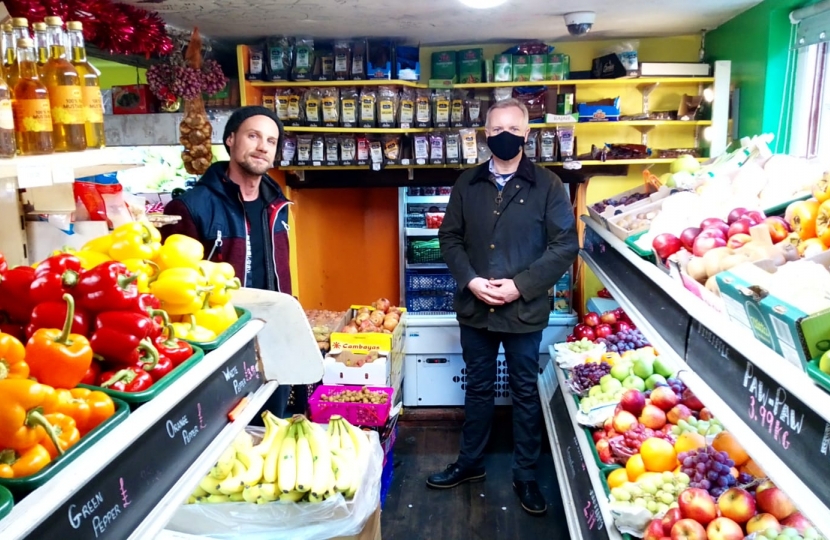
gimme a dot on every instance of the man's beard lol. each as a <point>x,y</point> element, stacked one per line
<point>252,168</point>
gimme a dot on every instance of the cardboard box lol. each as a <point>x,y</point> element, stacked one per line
<point>503,68</point>
<point>521,68</point>
<point>470,65</point>
<point>371,531</point>
<point>347,367</point>
<point>444,66</point>
<point>538,67</point>
<point>133,99</point>
<point>599,113</point>
<point>558,67</point>
<point>365,343</point>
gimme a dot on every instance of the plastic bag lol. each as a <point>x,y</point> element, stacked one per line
<point>568,359</point>
<point>290,521</point>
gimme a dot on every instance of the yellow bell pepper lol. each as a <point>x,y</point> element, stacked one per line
<point>102,244</point>
<point>192,331</point>
<point>216,318</point>
<point>180,251</point>
<point>222,277</point>
<point>181,290</point>
<point>135,240</point>
<point>147,272</point>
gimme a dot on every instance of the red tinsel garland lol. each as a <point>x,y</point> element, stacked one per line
<point>114,27</point>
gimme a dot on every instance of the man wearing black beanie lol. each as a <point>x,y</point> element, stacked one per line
<point>239,212</point>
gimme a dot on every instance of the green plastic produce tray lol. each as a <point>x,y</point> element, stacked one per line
<point>819,377</point>
<point>137,398</point>
<point>20,487</point>
<point>207,346</point>
<point>645,254</point>
<point>6,502</point>
<point>604,468</point>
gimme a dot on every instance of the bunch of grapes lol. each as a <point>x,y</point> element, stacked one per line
<point>213,80</point>
<point>708,469</point>
<point>631,199</point>
<point>628,340</point>
<point>584,376</point>
<point>675,384</point>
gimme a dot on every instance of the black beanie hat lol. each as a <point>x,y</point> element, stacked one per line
<point>242,114</point>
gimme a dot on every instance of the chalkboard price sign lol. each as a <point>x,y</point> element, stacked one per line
<point>591,522</point>
<point>115,501</point>
<point>799,436</point>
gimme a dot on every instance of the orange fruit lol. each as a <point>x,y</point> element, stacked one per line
<point>658,455</point>
<point>634,467</point>
<point>726,442</point>
<point>688,442</point>
<point>752,468</point>
<point>617,478</point>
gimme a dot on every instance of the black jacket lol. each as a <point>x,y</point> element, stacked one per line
<point>530,237</point>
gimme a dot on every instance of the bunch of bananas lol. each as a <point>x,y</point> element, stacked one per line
<point>296,460</point>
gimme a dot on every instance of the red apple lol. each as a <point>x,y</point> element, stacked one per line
<point>761,522</point>
<point>597,435</point>
<point>664,398</point>
<point>738,240</point>
<point>653,417</point>
<point>735,215</point>
<point>591,319</point>
<point>609,317</point>
<point>724,528</point>
<point>633,402</point>
<point>671,517</point>
<point>624,420</point>
<point>778,228</point>
<point>604,451</point>
<point>697,504</point>
<point>623,326</point>
<point>687,237</point>
<point>691,401</point>
<point>654,531</point>
<point>704,244</point>
<point>798,522</point>
<point>775,502</point>
<point>712,233</point>
<point>688,529</point>
<point>705,414</point>
<point>677,413</point>
<point>763,486</point>
<point>737,504</point>
<point>571,338</point>
<point>603,330</point>
<point>666,245</point>
<point>755,216</point>
<point>583,331</point>
<point>741,226</point>
<point>714,223</point>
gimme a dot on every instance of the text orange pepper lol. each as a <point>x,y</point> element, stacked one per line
<point>12,358</point>
<point>66,430</point>
<point>26,462</point>
<point>22,423</point>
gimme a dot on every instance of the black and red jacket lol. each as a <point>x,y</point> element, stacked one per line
<point>213,213</point>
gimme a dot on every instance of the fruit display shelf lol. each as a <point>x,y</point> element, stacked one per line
<point>772,407</point>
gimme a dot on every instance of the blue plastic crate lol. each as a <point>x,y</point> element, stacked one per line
<point>429,302</point>
<point>386,477</point>
<point>429,282</point>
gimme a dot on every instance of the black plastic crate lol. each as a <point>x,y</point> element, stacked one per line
<point>440,302</point>
<point>416,221</point>
<point>417,282</point>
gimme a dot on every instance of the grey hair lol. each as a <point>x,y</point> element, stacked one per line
<point>506,104</point>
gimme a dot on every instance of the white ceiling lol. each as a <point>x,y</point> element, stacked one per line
<point>441,21</point>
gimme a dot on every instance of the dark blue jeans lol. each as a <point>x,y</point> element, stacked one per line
<point>481,348</point>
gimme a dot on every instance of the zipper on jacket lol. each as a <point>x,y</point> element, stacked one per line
<point>216,245</point>
<point>271,240</point>
<point>247,243</point>
<point>273,279</point>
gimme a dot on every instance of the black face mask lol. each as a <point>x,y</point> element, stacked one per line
<point>505,145</point>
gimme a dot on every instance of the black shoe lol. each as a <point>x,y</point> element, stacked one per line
<point>455,475</point>
<point>531,497</point>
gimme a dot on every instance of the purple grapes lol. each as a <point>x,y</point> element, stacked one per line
<point>710,470</point>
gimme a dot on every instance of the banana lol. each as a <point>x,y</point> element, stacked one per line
<point>224,466</point>
<point>342,474</point>
<point>358,437</point>
<point>243,442</point>
<point>265,443</point>
<point>191,500</point>
<point>320,453</point>
<point>287,467</point>
<point>233,483</point>
<point>237,497</point>
<point>346,443</point>
<point>334,433</point>
<point>210,485</point>
<point>269,472</point>
<point>213,499</point>
<point>250,494</point>
<point>292,496</point>
<point>199,492</point>
<point>254,464</point>
<point>305,461</point>
<point>269,491</point>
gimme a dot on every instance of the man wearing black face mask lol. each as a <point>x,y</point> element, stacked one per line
<point>508,235</point>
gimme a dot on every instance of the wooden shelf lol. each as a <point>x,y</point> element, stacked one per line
<point>631,123</point>
<point>587,162</point>
<point>675,81</point>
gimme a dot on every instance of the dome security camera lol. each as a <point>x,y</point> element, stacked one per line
<point>580,23</point>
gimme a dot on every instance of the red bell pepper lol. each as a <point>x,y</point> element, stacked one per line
<point>53,315</point>
<point>124,338</point>
<point>13,329</point>
<point>14,293</point>
<point>145,302</point>
<point>54,277</point>
<point>107,287</point>
<point>4,266</point>
<point>173,348</point>
<point>162,368</point>
<point>92,374</point>
<point>131,379</point>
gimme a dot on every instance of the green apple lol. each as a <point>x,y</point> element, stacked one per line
<point>824,363</point>
<point>610,385</point>
<point>652,381</point>
<point>663,368</point>
<point>643,368</point>
<point>594,391</point>
<point>635,382</point>
<point>620,371</point>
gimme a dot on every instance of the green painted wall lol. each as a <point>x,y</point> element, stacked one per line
<point>115,74</point>
<point>759,44</point>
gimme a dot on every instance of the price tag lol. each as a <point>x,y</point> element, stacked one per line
<point>406,125</point>
<point>31,176</point>
<point>421,161</point>
<point>471,161</point>
<point>405,161</point>
<point>376,166</point>
<point>115,501</point>
<point>284,163</point>
<point>316,164</point>
<point>63,175</point>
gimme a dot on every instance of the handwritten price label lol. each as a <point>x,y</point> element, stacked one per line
<point>125,497</point>
<point>769,408</point>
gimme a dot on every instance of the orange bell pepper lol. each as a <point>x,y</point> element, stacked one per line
<point>26,462</point>
<point>66,430</point>
<point>89,408</point>
<point>56,357</point>
<point>6,471</point>
<point>12,358</point>
<point>22,423</point>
